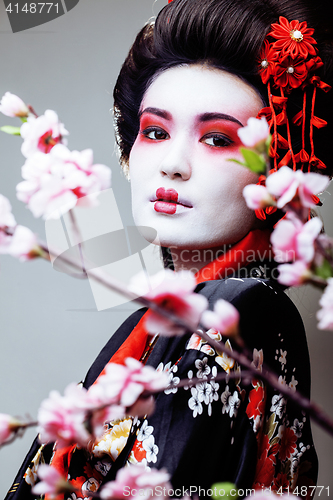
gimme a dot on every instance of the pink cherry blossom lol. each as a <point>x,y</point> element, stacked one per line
<point>6,217</point>
<point>53,483</point>
<point>12,105</point>
<point>42,133</point>
<point>257,197</point>
<point>23,244</point>
<point>287,184</point>
<point>293,240</point>
<point>86,178</point>
<point>35,167</point>
<point>123,384</point>
<point>174,292</point>
<point>56,182</point>
<point>118,392</point>
<point>8,425</point>
<point>62,418</point>
<point>325,314</point>
<point>67,418</point>
<point>255,134</point>
<point>224,318</point>
<point>295,274</point>
<point>129,480</point>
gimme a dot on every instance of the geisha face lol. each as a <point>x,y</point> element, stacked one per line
<point>182,182</point>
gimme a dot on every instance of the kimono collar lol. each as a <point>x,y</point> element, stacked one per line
<point>255,247</point>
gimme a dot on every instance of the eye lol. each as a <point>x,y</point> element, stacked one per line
<point>216,140</point>
<point>155,134</point>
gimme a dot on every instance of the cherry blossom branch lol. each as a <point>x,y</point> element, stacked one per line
<point>318,415</point>
<point>14,427</point>
<point>267,375</point>
<point>196,380</point>
<point>113,284</point>
<point>315,411</point>
<point>31,109</point>
<point>187,382</point>
<point>78,240</point>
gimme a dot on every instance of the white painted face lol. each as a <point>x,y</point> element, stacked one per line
<point>182,182</point>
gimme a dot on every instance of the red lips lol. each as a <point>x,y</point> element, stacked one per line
<point>166,200</point>
<point>167,194</point>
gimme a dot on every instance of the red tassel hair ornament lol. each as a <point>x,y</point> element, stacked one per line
<point>288,60</point>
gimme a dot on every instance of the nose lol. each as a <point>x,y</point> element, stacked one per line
<point>176,164</point>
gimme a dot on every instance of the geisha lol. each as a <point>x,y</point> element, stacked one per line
<point>191,80</point>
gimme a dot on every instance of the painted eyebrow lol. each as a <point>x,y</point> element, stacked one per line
<point>157,112</point>
<point>206,117</point>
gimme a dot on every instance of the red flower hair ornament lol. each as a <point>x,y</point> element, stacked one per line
<point>268,57</point>
<point>293,38</point>
<point>290,72</point>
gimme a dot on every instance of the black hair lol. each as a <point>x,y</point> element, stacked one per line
<point>225,34</point>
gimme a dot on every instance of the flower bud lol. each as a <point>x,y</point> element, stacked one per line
<point>12,105</point>
<point>255,134</point>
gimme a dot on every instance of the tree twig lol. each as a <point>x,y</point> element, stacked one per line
<point>317,413</point>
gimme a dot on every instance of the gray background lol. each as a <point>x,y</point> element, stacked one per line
<point>50,328</point>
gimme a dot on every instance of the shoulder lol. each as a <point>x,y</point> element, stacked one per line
<point>246,293</point>
<point>269,320</point>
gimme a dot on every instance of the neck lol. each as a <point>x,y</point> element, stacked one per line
<point>195,259</point>
<point>219,262</point>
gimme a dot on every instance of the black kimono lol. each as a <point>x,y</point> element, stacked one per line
<point>236,430</point>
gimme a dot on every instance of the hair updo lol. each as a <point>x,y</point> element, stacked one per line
<point>228,35</point>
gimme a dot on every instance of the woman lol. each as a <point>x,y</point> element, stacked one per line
<point>191,80</point>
